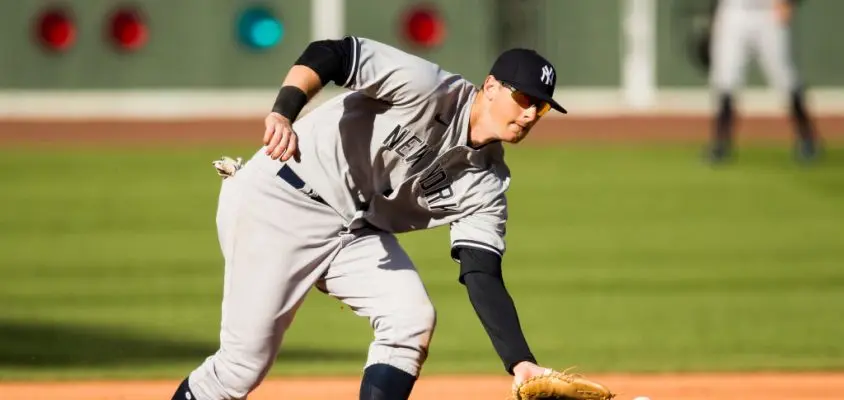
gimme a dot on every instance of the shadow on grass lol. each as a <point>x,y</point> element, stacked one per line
<point>41,345</point>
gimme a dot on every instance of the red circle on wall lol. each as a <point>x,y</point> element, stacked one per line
<point>56,30</point>
<point>127,30</point>
<point>424,26</point>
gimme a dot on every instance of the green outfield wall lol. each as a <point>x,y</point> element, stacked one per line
<point>196,44</point>
<point>818,49</point>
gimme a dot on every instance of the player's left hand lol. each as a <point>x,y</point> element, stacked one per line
<point>279,138</point>
<point>532,382</point>
<point>526,370</point>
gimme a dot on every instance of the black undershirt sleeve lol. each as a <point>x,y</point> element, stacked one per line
<point>330,59</point>
<point>480,272</point>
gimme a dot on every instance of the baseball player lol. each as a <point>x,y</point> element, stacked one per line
<point>409,146</point>
<point>760,26</point>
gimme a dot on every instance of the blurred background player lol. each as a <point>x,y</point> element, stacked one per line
<point>761,28</point>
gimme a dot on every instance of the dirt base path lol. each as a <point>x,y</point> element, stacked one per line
<point>610,128</point>
<point>756,386</point>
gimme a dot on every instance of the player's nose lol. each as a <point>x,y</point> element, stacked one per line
<point>529,114</point>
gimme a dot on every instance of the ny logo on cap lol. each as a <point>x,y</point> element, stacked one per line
<point>547,75</point>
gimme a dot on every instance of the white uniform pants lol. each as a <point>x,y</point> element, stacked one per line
<point>278,243</point>
<point>738,35</point>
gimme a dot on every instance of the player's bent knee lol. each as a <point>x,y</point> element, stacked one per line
<point>425,325</point>
<point>428,320</point>
<point>402,337</point>
<point>418,324</point>
<point>237,372</point>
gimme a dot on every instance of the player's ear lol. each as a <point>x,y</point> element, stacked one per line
<point>489,87</point>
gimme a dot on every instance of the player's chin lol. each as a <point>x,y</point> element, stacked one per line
<point>515,133</point>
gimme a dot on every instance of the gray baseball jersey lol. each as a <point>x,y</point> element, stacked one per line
<point>393,152</point>
<point>389,156</point>
<point>747,27</point>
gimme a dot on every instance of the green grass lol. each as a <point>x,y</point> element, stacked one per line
<point>620,258</point>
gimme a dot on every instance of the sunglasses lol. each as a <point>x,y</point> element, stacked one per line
<point>526,101</point>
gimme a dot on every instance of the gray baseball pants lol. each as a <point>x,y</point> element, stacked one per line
<point>740,34</point>
<point>278,243</point>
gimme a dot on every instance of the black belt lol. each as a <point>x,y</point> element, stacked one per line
<point>294,180</point>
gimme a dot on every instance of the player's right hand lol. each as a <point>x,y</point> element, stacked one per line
<point>279,138</point>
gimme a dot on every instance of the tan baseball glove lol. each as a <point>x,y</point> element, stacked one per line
<point>557,385</point>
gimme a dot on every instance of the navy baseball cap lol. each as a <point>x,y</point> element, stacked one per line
<point>528,72</point>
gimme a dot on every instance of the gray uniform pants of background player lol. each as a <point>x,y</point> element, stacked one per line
<point>740,33</point>
<point>277,243</point>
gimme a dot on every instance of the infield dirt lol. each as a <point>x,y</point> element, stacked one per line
<point>752,386</point>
